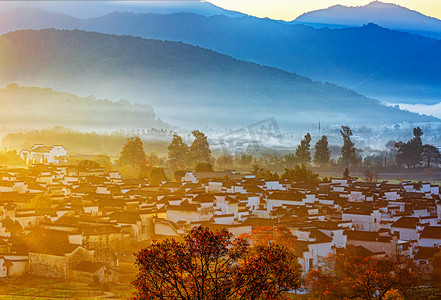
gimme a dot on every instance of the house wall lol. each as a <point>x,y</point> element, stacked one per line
<point>388,248</point>
<point>46,265</point>
<point>424,242</point>
<point>406,234</point>
<point>181,215</point>
<point>165,228</point>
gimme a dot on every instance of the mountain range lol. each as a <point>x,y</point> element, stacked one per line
<point>187,85</point>
<point>387,15</point>
<point>92,9</point>
<point>392,66</point>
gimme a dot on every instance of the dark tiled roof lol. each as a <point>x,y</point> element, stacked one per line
<point>431,232</point>
<point>58,249</point>
<point>88,266</point>
<point>426,252</point>
<point>406,222</point>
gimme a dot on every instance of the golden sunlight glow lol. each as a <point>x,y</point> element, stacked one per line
<point>290,9</point>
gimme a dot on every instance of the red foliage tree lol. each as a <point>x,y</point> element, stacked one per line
<point>266,235</point>
<point>348,276</point>
<point>213,265</point>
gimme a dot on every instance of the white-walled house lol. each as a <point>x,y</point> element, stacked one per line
<point>407,227</point>
<point>40,154</point>
<point>363,219</point>
<point>13,265</point>
<point>430,237</point>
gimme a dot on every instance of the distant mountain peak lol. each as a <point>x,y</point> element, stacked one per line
<point>381,4</point>
<point>388,15</point>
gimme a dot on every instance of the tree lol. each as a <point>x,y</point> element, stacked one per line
<point>177,175</point>
<point>199,149</point>
<point>430,155</point>
<point>157,176</point>
<point>132,152</point>
<point>267,175</point>
<point>300,173</point>
<point>41,202</point>
<point>370,176</point>
<point>87,164</point>
<point>290,161</point>
<point>348,275</point>
<point>348,152</point>
<point>266,235</point>
<point>322,153</point>
<point>203,167</point>
<point>177,153</point>
<point>410,153</point>
<point>244,160</point>
<point>14,227</point>
<point>435,263</point>
<point>213,265</point>
<point>303,154</point>
<point>346,174</point>
<point>225,161</point>
<point>153,159</point>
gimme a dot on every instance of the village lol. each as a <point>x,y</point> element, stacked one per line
<point>93,219</point>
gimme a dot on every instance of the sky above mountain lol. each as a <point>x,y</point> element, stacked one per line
<point>289,9</point>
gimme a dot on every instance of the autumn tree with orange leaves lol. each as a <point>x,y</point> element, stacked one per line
<point>350,276</point>
<point>214,265</point>
<point>266,235</point>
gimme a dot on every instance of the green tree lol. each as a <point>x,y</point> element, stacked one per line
<point>290,160</point>
<point>199,149</point>
<point>87,164</point>
<point>177,153</point>
<point>41,202</point>
<point>177,175</point>
<point>348,152</point>
<point>132,152</point>
<point>244,160</point>
<point>435,263</point>
<point>410,153</point>
<point>322,153</point>
<point>300,173</point>
<point>225,161</point>
<point>153,159</point>
<point>203,167</point>
<point>430,156</point>
<point>303,154</point>
<point>267,175</point>
<point>157,176</point>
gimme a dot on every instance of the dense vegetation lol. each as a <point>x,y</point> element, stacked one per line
<point>86,143</point>
<point>214,265</point>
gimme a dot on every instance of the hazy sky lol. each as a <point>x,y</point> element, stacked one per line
<point>291,9</point>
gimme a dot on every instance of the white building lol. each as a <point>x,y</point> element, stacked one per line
<point>40,154</point>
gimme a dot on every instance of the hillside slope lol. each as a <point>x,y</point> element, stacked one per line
<point>186,85</point>
<point>33,107</point>
<point>371,60</point>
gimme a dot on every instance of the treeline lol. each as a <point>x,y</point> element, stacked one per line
<point>81,142</point>
<point>297,166</point>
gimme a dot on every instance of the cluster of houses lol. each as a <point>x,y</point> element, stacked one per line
<point>93,217</point>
